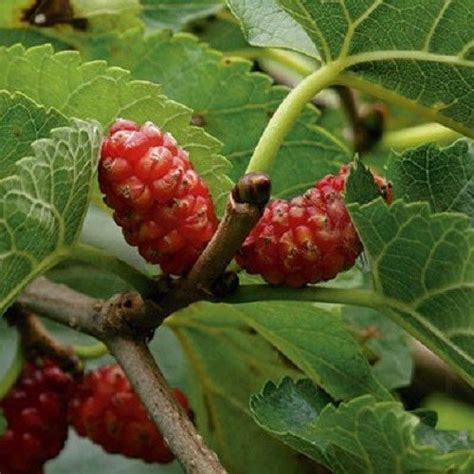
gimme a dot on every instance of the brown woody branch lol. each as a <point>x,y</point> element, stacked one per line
<point>147,379</point>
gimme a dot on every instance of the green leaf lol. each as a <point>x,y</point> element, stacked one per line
<point>177,13</point>
<point>358,436</point>
<point>21,123</point>
<point>443,177</point>
<point>423,272</point>
<point>228,361</point>
<point>403,52</point>
<point>196,75</point>
<point>220,33</point>
<point>47,196</point>
<point>3,424</point>
<point>92,90</point>
<point>444,441</point>
<point>387,341</point>
<point>318,343</point>
<point>265,23</point>
<point>361,187</point>
<point>28,38</point>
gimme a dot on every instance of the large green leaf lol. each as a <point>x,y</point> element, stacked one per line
<point>228,361</point>
<point>318,343</point>
<point>443,177</point>
<point>230,102</point>
<point>423,271</point>
<point>92,90</point>
<point>43,204</point>
<point>360,436</point>
<point>416,53</point>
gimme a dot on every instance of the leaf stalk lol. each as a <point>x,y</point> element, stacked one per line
<point>286,115</point>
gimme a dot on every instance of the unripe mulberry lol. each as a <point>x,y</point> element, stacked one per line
<point>106,410</point>
<point>308,239</point>
<point>161,203</point>
<point>36,414</point>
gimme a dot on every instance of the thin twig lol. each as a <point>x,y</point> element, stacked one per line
<point>367,121</point>
<point>351,109</point>
<point>147,380</point>
<point>37,341</point>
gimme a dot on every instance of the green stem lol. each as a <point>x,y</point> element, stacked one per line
<point>256,293</point>
<point>13,372</point>
<point>286,115</point>
<point>290,60</point>
<point>99,259</point>
<point>91,352</point>
<point>419,135</point>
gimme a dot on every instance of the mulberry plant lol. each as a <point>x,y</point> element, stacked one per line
<point>264,205</point>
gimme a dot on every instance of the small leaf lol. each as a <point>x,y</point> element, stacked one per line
<point>318,343</point>
<point>265,23</point>
<point>427,417</point>
<point>423,272</point>
<point>360,185</point>
<point>43,204</point>
<point>3,424</point>
<point>358,436</point>
<point>443,177</point>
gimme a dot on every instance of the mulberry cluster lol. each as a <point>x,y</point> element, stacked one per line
<point>161,203</point>
<point>307,239</point>
<point>36,414</point>
<point>106,410</point>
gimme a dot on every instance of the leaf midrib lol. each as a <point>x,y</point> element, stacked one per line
<point>390,55</point>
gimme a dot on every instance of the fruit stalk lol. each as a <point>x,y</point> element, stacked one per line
<point>286,115</point>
